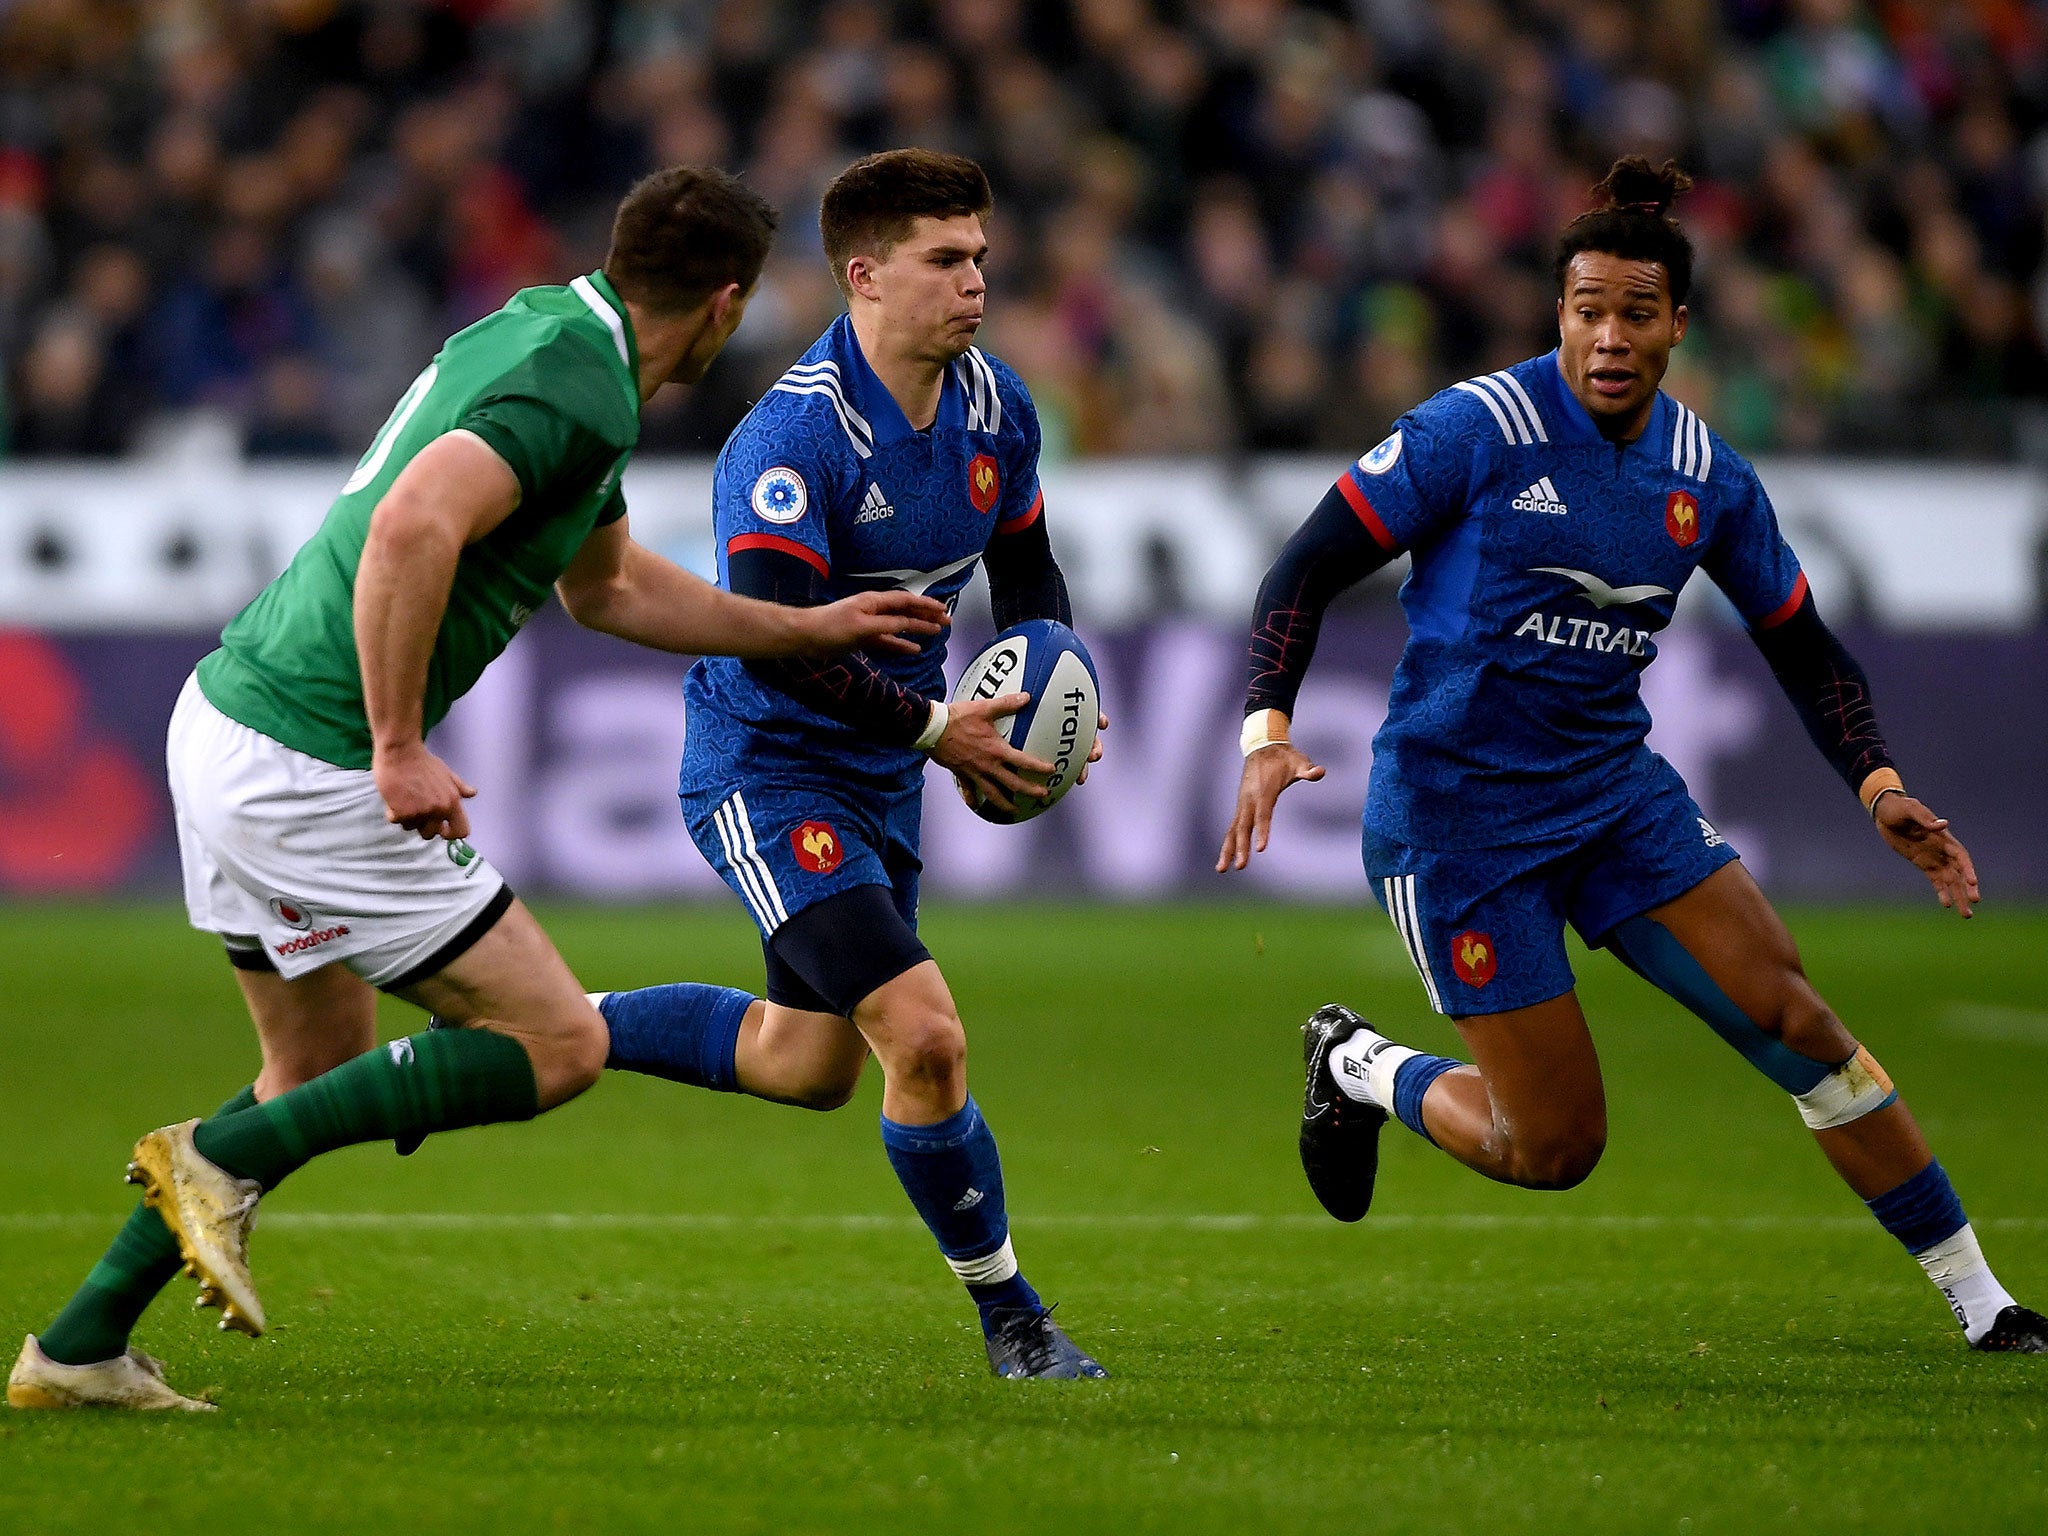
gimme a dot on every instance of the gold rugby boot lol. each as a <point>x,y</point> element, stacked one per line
<point>133,1381</point>
<point>211,1213</point>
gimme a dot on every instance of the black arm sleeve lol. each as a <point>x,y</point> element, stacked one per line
<point>1329,552</point>
<point>845,688</point>
<point>1828,691</point>
<point>1024,581</point>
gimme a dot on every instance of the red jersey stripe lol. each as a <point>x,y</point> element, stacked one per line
<point>1363,508</point>
<point>1024,519</point>
<point>777,542</point>
<point>1786,609</point>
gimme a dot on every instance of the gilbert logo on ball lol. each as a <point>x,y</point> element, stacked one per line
<point>1682,518</point>
<point>816,847</point>
<point>290,913</point>
<point>1473,958</point>
<point>984,484</point>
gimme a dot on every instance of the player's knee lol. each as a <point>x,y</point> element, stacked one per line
<point>571,1057</point>
<point>827,1092</point>
<point>931,1048</point>
<point>1558,1162</point>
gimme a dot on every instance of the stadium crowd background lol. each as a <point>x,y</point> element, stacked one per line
<point>1224,225</point>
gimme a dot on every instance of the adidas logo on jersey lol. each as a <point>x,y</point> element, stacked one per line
<point>874,506</point>
<point>1541,497</point>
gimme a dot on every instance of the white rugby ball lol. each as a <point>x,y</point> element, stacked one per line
<point>1044,658</point>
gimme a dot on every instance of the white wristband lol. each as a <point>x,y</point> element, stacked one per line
<point>934,728</point>
<point>1262,728</point>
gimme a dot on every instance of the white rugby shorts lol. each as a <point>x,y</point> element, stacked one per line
<point>291,856</point>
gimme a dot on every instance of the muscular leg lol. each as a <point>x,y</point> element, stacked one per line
<point>790,1056</point>
<point>1531,1110</point>
<point>1723,951</point>
<point>305,1027</point>
<point>1729,926</point>
<point>528,1040</point>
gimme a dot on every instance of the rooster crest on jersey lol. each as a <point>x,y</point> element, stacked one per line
<point>1682,518</point>
<point>1473,958</point>
<point>984,483</point>
<point>816,847</point>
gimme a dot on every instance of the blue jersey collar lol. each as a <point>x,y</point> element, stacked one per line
<point>871,397</point>
<point>1574,425</point>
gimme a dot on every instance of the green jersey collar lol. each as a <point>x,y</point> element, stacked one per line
<point>597,291</point>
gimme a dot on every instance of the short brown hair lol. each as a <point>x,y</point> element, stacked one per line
<point>684,233</point>
<point>872,204</point>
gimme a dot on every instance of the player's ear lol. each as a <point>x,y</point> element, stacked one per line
<point>1678,319</point>
<point>860,276</point>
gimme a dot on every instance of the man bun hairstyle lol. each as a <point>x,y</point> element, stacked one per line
<point>874,202</point>
<point>1632,220</point>
<point>684,233</point>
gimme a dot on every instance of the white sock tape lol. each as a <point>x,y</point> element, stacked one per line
<point>989,1269</point>
<point>1850,1092</point>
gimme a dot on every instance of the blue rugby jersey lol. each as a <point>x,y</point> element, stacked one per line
<point>1545,562</point>
<point>827,468</point>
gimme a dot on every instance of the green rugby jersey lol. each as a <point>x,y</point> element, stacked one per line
<point>550,382</point>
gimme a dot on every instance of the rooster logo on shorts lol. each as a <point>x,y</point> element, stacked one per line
<point>816,847</point>
<point>1473,958</point>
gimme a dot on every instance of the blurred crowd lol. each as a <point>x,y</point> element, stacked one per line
<point>1222,225</point>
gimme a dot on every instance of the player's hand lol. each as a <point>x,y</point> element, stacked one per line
<point>1267,772</point>
<point>421,793</point>
<point>1094,752</point>
<point>1916,833</point>
<point>880,621</point>
<point>982,759</point>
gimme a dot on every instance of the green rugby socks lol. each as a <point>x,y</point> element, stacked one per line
<point>441,1080</point>
<point>142,1260</point>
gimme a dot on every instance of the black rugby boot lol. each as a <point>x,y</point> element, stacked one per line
<point>1025,1344</point>
<point>1340,1137</point>
<point>2017,1330</point>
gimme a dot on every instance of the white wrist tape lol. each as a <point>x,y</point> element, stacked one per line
<point>934,728</point>
<point>1850,1092</point>
<point>1262,728</point>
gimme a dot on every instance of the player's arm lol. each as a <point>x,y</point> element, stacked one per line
<point>1337,547</point>
<point>853,691</point>
<point>1751,562</point>
<point>1830,693</point>
<point>624,588</point>
<point>454,492</point>
<point>1025,582</point>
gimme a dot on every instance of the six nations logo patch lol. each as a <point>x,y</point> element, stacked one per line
<point>1381,459</point>
<point>780,496</point>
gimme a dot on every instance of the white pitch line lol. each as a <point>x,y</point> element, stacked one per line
<point>1169,1221</point>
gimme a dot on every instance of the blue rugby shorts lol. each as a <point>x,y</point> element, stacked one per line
<point>1485,927</point>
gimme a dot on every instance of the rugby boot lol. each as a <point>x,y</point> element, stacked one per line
<point>1340,1137</point>
<point>1025,1344</point>
<point>134,1381</point>
<point>2017,1330</point>
<point>211,1213</point>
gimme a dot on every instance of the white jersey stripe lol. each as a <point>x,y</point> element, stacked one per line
<point>1421,946</point>
<point>858,432</point>
<point>739,867</point>
<point>1399,892</point>
<point>586,290</point>
<point>1499,420</point>
<point>1493,387</point>
<point>1692,443</point>
<point>1528,405</point>
<point>739,806</point>
<point>1706,450</point>
<point>992,403</point>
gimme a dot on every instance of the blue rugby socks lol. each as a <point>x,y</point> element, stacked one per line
<point>687,1032</point>
<point>1924,1214</point>
<point>954,1177</point>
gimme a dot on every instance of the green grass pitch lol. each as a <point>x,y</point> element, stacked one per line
<point>662,1310</point>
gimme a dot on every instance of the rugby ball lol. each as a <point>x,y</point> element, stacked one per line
<point>1044,658</point>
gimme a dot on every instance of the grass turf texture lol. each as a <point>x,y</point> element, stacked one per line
<point>1709,1336</point>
